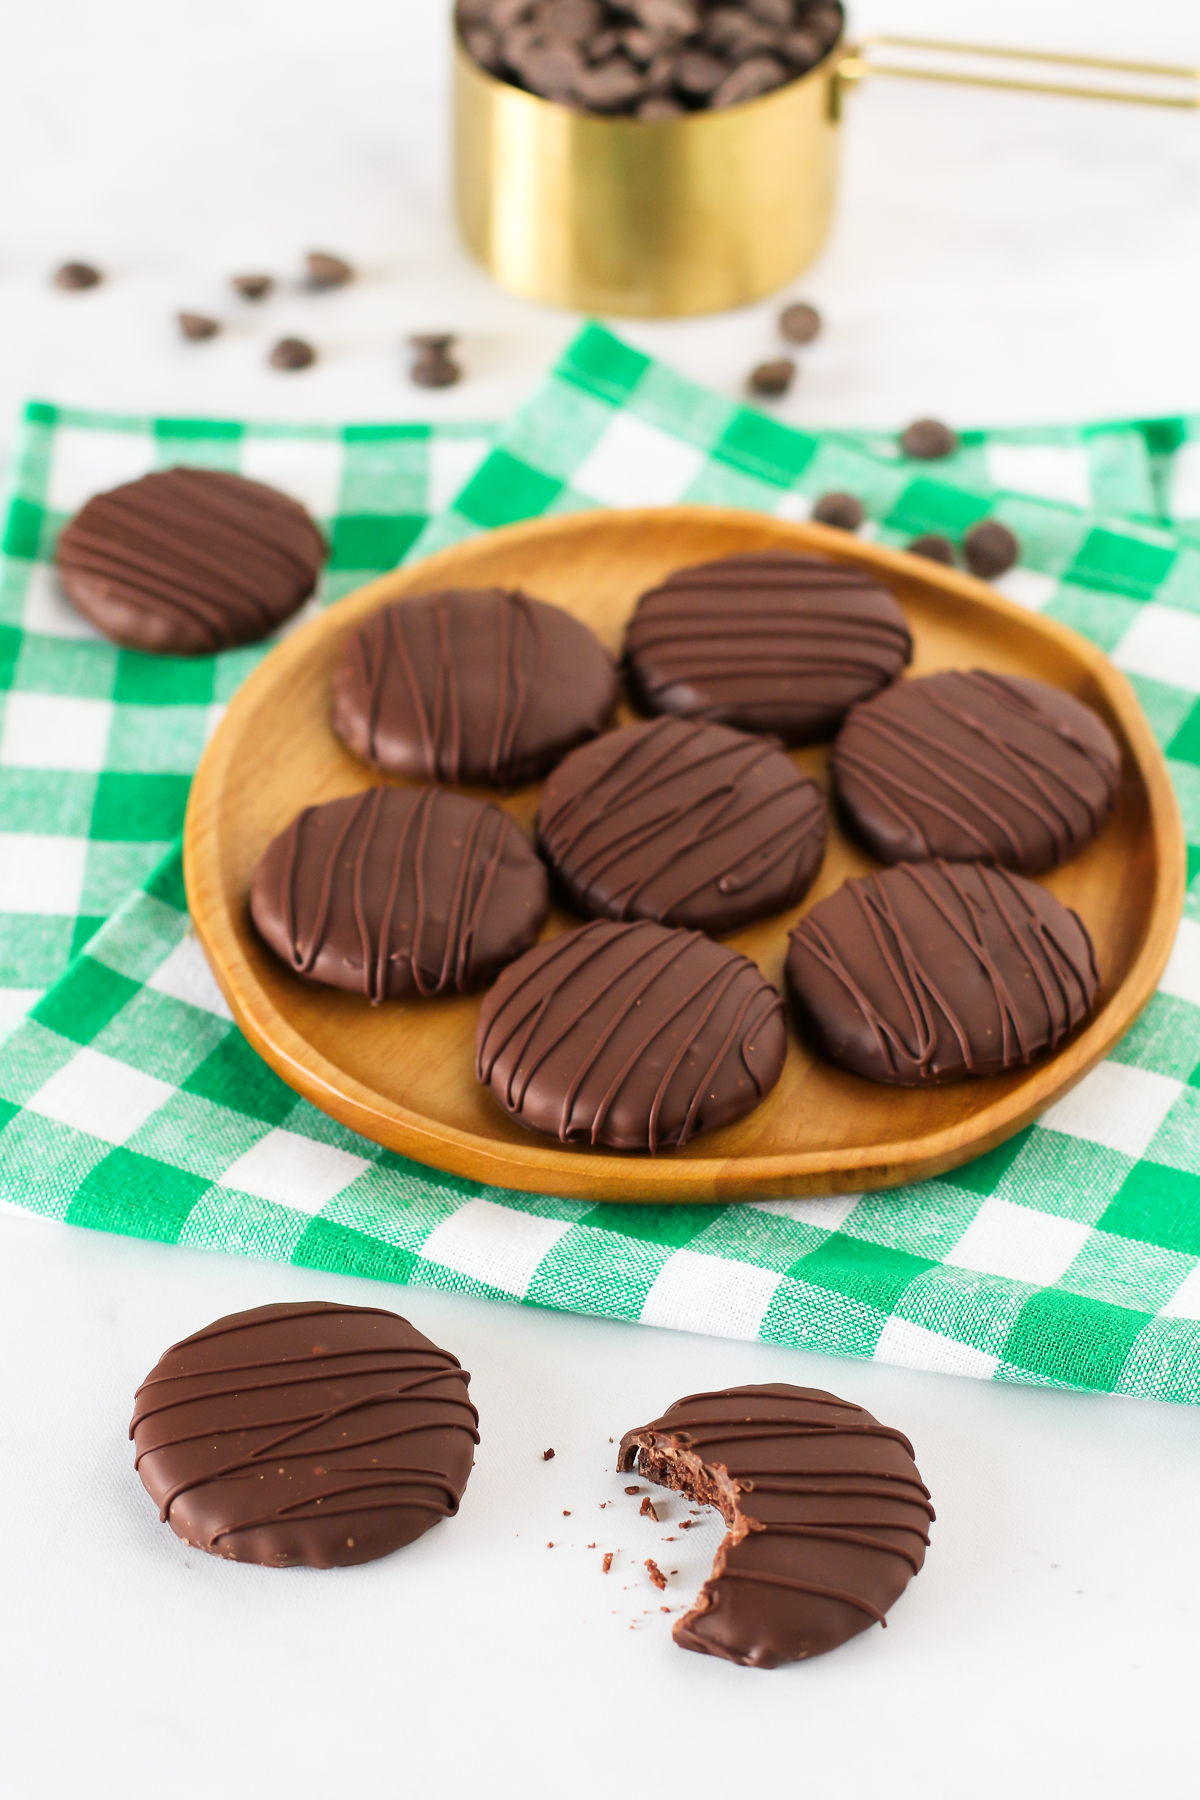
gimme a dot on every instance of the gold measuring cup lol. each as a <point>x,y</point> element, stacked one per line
<point>664,218</point>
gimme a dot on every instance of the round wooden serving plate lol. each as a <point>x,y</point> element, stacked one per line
<point>403,1073</point>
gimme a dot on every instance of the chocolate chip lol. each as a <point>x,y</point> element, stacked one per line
<point>928,440</point>
<point>432,370</point>
<point>602,46</point>
<point>773,378</point>
<point>547,1455</point>
<point>574,19</point>
<point>73,277</point>
<point>843,510</point>
<point>827,22</point>
<point>700,74</point>
<point>737,34</point>
<point>610,85</point>
<point>759,75</point>
<point>325,271</point>
<point>196,327</point>
<point>935,547</point>
<point>252,287</point>
<point>803,49</point>
<point>800,323</point>
<point>633,1490</point>
<point>772,12</point>
<point>990,549</point>
<point>484,46</point>
<point>672,18</point>
<point>642,46</point>
<point>292,353</point>
<point>659,107</point>
<point>509,12</point>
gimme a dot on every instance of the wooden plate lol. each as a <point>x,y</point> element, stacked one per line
<point>403,1074</point>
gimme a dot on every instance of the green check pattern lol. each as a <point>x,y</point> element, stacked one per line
<point>1068,1257</point>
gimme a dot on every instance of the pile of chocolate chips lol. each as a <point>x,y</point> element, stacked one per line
<point>656,59</point>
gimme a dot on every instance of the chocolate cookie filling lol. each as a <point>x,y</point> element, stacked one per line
<point>828,1518</point>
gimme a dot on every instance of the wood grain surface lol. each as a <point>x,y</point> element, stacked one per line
<point>403,1074</point>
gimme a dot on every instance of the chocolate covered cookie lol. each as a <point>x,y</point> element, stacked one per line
<point>400,891</point>
<point>770,642</point>
<point>471,685</point>
<point>189,561</point>
<point>972,766</point>
<point>631,1036</point>
<point>681,822</point>
<point>931,972</point>
<point>305,1433</point>
<point>828,1518</point>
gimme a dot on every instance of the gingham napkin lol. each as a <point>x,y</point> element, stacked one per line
<point>1068,1257</point>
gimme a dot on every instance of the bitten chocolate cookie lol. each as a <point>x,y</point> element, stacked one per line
<point>471,685</point>
<point>934,971</point>
<point>306,1433</point>
<point>687,824</point>
<point>973,766</point>
<point>828,1517</point>
<point>771,642</point>
<point>400,891</point>
<point>189,561</point>
<point>631,1036</point>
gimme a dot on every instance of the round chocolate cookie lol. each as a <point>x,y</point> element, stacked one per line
<point>471,685</point>
<point>828,1517</point>
<point>306,1433</point>
<point>934,971</point>
<point>400,891</point>
<point>685,823</point>
<point>631,1036</point>
<point>976,767</point>
<point>189,561</point>
<point>771,642</point>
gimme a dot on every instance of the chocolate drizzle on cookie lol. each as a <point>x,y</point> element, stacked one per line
<point>684,823</point>
<point>769,642</point>
<point>976,766</point>
<point>631,1036</point>
<point>471,685</point>
<point>828,1518</point>
<point>931,972</point>
<point>189,561</point>
<point>306,1433</point>
<point>400,891</point>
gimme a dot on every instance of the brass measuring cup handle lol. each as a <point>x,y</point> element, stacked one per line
<point>1182,84</point>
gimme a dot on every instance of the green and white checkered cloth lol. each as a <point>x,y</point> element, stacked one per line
<point>1068,1257</point>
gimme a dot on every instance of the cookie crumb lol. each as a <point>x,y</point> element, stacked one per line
<point>633,1490</point>
<point>647,1509</point>
<point>655,1573</point>
<point>606,1565</point>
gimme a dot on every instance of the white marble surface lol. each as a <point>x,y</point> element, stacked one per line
<point>996,259</point>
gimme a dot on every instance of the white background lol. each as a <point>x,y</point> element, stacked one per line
<point>996,259</point>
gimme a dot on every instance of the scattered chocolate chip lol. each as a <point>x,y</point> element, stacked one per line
<point>252,287</point>
<point>325,271</point>
<point>547,1456</point>
<point>990,549</point>
<point>845,511</point>
<point>935,547</point>
<point>292,353</point>
<point>435,371</point>
<point>646,1510</point>
<point>800,323</point>
<point>928,440</point>
<point>655,1573</point>
<point>633,1490</point>
<point>773,378</point>
<point>606,1565</point>
<point>73,277</point>
<point>566,1512</point>
<point>196,327</point>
